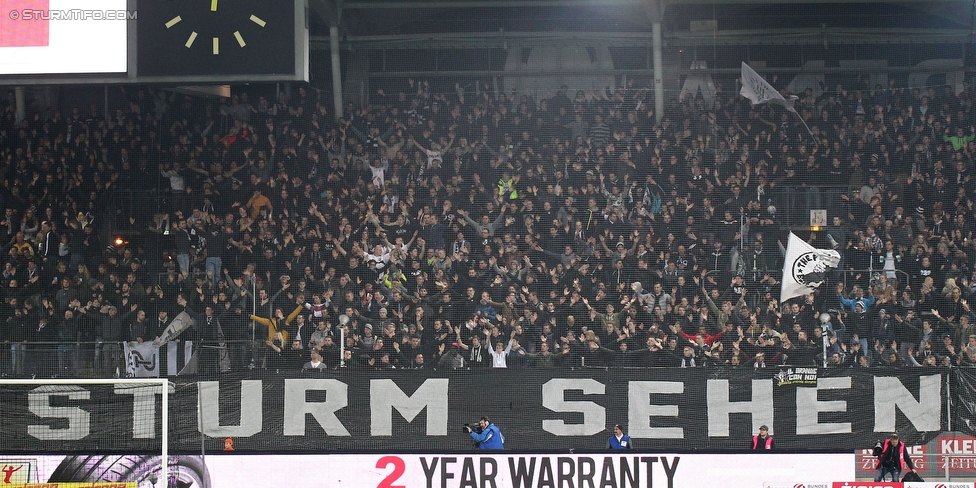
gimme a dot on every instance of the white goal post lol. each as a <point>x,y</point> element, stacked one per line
<point>163,386</point>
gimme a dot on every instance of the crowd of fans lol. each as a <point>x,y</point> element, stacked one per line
<point>467,228</point>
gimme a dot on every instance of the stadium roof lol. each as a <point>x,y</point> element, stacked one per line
<point>468,23</point>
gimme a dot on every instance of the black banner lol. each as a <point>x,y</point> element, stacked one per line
<point>537,410</point>
<point>964,406</point>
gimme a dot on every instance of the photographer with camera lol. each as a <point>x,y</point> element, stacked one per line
<point>486,435</point>
<point>892,458</point>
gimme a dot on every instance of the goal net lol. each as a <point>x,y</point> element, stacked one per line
<point>104,430</point>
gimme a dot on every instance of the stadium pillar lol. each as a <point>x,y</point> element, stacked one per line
<point>658,73</point>
<point>21,105</point>
<point>336,71</point>
<point>655,13</point>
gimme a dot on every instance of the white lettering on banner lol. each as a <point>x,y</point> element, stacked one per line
<point>553,398</point>
<point>252,415</point>
<point>959,463</point>
<point>867,462</point>
<point>532,471</point>
<point>652,408</point>
<point>954,446</point>
<point>925,413</point>
<point>957,445</point>
<point>296,405</point>
<point>719,406</point>
<point>78,419</point>
<point>640,409</point>
<point>919,456</point>
<point>865,484</point>
<point>143,408</point>
<point>385,395</point>
<point>808,408</point>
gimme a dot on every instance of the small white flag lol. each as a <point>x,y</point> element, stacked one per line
<point>141,360</point>
<point>805,268</point>
<point>756,89</point>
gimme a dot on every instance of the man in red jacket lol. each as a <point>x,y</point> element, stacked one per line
<point>893,459</point>
<point>763,441</point>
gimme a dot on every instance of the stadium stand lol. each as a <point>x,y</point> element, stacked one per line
<point>461,227</point>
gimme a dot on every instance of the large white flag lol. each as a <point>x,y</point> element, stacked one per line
<point>141,360</point>
<point>805,268</point>
<point>756,89</point>
<point>179,324</point>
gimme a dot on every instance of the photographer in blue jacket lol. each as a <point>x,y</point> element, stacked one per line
<point>486,435</point>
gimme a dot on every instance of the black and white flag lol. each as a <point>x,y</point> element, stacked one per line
<point>805,268</point>
<point>758,90</point>
<point>141,360</point>
<point>179,324</point>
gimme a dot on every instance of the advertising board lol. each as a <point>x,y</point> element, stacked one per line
<point>499,470</point>
<point>63,36</point>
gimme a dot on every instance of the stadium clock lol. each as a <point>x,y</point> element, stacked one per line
<point>215,38</point>
<point>215,18</point>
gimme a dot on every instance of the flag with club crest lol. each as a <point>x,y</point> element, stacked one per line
<point>805,268</point>
<point>141,360</point>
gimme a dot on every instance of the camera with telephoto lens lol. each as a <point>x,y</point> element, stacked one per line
<point>878,448</point>
<point>473,426</point>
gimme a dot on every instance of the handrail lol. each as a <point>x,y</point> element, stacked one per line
<point>872,273</point>
<point>96,342</point>
<point>944,461</point>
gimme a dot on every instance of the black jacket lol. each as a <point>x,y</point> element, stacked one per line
<point>16,330</point>
<point>110,328</point>
<point>70,330</point>
<point>889,456</point>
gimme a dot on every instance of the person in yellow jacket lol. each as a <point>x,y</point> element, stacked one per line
<point>279,322</point>
<point>506,186</point>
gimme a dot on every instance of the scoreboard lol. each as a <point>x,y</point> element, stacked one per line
<point>152,41</point>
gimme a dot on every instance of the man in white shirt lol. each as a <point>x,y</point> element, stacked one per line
<point>315,361</point>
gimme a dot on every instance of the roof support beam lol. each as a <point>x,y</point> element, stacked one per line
<point>648,72</point>
<point>759,37</point>
<point>793,2</point>
<point>433,4</point>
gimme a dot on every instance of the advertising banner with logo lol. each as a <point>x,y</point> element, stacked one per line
<point>867,463</point>
<point>537,410</point>
<point>63,36</point>
<point>499,470</point>
<point>799,484</point>
<point>939,484</point>
<point>958,451</point>
<point>953,448</point>
<point>72,485</point>
<point>868,484</point>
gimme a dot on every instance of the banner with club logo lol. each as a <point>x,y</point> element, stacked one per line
<point>141,360</point>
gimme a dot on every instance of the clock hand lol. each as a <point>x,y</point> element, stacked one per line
<point>213,5</point>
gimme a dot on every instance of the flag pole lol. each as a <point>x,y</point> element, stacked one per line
<point>758,91</point>
<point>805,125</point>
